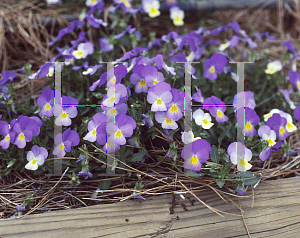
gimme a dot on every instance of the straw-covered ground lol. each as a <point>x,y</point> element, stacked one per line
<point>22,41</point>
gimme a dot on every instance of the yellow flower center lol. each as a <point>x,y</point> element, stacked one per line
<point>118,134</point>
<point>114,79</point>
<point>154,12</point>
<point>94,132</point>
<point>159,101</point>
<point>64,115</point>
<point>61,147</point>
<point>205,122</point>
<point>113,111</point>
<point>112,99</point>
<point>219,113</point>
<point>248,126</point>
<point>156,81</point>
<point>174,108</point>
<point>34,161</point>
<point>298,84</point>
<point>79,53</point>
<point>21,136</point>
<point>48,106</point>
<point>194,160</point>
<point>109,143</point>
<point>168,121</point>
<point>281,130</point>
<point>212,69</point>
<point>127,4</point>
<point>271,142</point>
<point>243,162</point>
<point>7,138</point>
<point>178,21</point>
<point>142,83</point>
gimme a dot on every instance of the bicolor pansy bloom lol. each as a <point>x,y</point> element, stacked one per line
<point>195,153</point>
<point>151,75</point>
<point>273,67</point>
<point>66,112</point>
<point>240,155</point>
<point>247,119</point>
<point>91,3</point>
<point>64,142</point>
<point>46,102</point>
<point>203,119</point>
<point>98,118</point>
<point>159,95</point>
<point>177,15</point>
<point>175,107</point>
<point>35,157</point>
<point>8,134</point>
<point>188,137</point>
<point>138,80</point>
<point>167,123</point>
<point>114,94</point>
<point>278,124</point>
<point>198,96</point>
<point>246,97</point>
<point>151,7</point>
<point>83,50</point>
<point>295,79</point>
<point>216,108</point>
<point>214,65</point>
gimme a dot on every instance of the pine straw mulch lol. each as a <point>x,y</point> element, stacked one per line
<point>57,193</point>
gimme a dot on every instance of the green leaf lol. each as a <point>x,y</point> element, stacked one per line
<point>138,156</point>
<point>104,185</point>
<point>247,175</point>
<point>193,173</point>
<point>214,154</point>
<point>220,183</point>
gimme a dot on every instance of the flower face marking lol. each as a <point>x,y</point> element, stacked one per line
<point>21,136</point>
<point>212,69</point>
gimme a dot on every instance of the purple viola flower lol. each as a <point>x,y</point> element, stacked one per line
<point>64,142</point>
<point>4,91</point>
<point>159,95</point>
<point>91,70</point>
<point>297,113</point>
<point>20,208</point>
<point>25,128</point>
<point>83,50</point>
<point>214,65</point>
<point>128,29</point>
<point>98,118</point>
<point>95,22</point>
<point>295,79</point>
<point>199,154</point>
<point>114,94</point>
<point>264,34</point>
<point>81,159</point>
<point>105,45</point>
<point>147,120</point>
<point>133,53</point>
<point>278,124</point>
<point>108,147</point>
<point>247,97</point>
<point>85,65</point>
<point>46,102</point>
<point>166,122</point>
<point>216,108</point>
<point>266,154</point>
<point>79,39</point>
<point>267,134</point>
<point>241,192</point>
<point>120,107</point>
<point>247,119</point>
<point>8,134</point>
<point>85,174</point>
<point>123,127</point>
<point>7,75</point>
<point>175,107</point>
<point>161,64</point>
<point>198,96</point>
<point>66,112</point>
<point>289,46</point>
<point>286,95</point>
<point>151,75</point>
<point>36,157</point>
<point>171,2</point>
<point>137,79</point>
<point>67,30</point>
<point>240,160</point>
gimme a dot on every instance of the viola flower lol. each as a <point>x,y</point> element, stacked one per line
<point>247,97</point>
<point>175,107</point>
<point>202,119</point>
<point>123,127</point>
<point>111,112</point>
<point>8,134</point>
<point>166,122</point>
<point>75,43</point>
<point>151,7</point>
<point>214,65</point>
<point>20,207</point>
<point>242,162</point>
<point>64,142</point>
<point>188,137</point>
<point>286,95</point>
<point>98,118</point>
<point>266,154</point>
<point>177,15</point>
<point>290,127</point>
<point>36,157</point>
<point>83,50</point>
<point>114,94</point>
<point>105,45</point>
<point>46,102</point>
<point>247,119</point>
<point>25,128</point>
<point>297,113</point>
<point>198,96</point>
<point>273,67</point>
<point>85,174</point>
<point>66,112</point>
<point>267,134</point>
<point>151,75</point>
<point>294,79</point>
<point>216,108</point>
<point>147,120</point>
<point>95,22</point>
<point>91,3</point>
<point>159,95</point>
<point>125,2</point>
<point>171,2</point>
<point>161,64</point>
<point>278,124</point>
<point>232,43</point>
<point>138,80</point>
<point>7,75</point>
<point>270,114</point>
<point>199,154</point>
